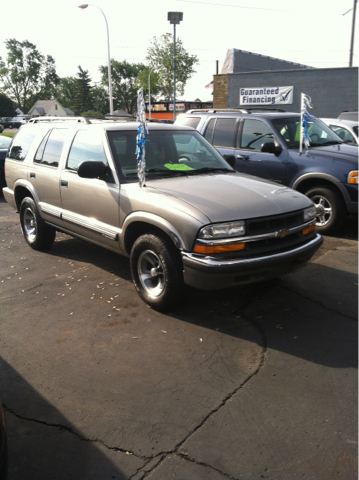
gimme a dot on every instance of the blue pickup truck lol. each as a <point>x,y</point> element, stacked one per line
<point>265,143</point>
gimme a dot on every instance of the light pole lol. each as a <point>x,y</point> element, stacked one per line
<point>149,94</point>
<point>85,5</point>
<point>174,18</point>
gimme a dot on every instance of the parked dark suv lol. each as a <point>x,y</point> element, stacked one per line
<point>265,143</point>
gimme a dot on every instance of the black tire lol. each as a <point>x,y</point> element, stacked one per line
<point>10,126</point>
<point>157,271</point>
<point>334,214</point>
<point>37,233</point>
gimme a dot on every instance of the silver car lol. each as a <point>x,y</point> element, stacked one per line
<point>346,129</point>
<point>196,221</point>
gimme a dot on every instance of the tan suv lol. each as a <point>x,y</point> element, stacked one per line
<point>196,221</point>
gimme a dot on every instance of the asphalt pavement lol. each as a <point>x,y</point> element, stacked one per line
<point>253,383</point>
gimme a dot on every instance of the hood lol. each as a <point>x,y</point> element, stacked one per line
<point>348,153</point>
<point>232,196</point>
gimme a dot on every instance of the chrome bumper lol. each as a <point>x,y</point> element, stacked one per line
<point>211,273</point>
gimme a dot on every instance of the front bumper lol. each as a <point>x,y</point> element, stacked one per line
<point>211,273</point>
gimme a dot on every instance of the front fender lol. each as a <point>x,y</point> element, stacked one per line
<point>156,221</point>
<point>321,176</point>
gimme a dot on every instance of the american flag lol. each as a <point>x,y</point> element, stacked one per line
<point>210,85</point>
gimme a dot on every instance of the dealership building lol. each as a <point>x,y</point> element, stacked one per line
<point>249,80</point>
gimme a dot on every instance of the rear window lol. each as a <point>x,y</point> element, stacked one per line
<point>50,149</point>
<point>224,132</point>
<point>188,121</point>
<point>21,144</point>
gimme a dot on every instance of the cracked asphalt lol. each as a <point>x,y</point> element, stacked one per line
<point>250,383</point>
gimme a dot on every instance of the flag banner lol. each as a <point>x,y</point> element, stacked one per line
<point>210,85</point>
<point>141,137</point>
<point>306,102</point>
<point>266,96</point>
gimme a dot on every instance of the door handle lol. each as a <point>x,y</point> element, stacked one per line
<point>32,175</point>
<point>243,157</point>
<point>64,183</point>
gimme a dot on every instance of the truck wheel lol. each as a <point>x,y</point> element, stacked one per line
<point>37,234</point>
<point>157,271</point>
<point>331,210</point>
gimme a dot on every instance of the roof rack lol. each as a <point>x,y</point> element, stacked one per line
<point>236,110</point>
<point>59,119</point>
<point>263,109</point>
<point>215,110</point>
<point>88,120</point>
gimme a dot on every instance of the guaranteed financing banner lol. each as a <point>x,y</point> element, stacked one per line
<point>266,96</point>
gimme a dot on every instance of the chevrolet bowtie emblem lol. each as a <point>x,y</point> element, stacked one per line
<point>282,233</point>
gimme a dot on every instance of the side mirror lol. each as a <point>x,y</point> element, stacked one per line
<point>230,159</point>
<point>271,147</point>
<point>90,169</point>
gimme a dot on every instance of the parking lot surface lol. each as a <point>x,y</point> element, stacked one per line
<point>249,383</point>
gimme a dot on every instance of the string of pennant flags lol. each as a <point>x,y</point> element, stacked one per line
<point>306,102</point>
<point>141,138</point>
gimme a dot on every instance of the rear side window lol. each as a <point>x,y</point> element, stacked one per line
<point>21,144</point>
<point>86,146</point>
<point>254,134</point>
<point>50,149</point>
<point>224,132</point>
<point>208,135</point>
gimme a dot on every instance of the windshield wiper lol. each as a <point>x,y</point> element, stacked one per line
<point>325,144</point>
<point>208,170</point>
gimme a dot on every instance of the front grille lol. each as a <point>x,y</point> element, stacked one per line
<point>268,246</point>
<point>258,226</point>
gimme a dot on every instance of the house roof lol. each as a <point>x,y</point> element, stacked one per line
<point>69,111</point>
<point>39,110</point>
<point>45,105</point>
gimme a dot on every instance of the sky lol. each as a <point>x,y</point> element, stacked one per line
<point>310,32</point>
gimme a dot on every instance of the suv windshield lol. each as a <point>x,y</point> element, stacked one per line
<point>168,154</point>
<point>319,134</point>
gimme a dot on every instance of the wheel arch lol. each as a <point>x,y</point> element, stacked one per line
<point>139,224</point>
<point>22,191</point>
<point>308,181</point>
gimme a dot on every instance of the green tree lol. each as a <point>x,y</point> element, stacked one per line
<point>124,83</point>
<point>101,99</point>
<point>27,74</point>
<point>155,85</point>
<point>160,56</point>
<point>65,91</point>
<point>83,100</point>
<point>7,108</point>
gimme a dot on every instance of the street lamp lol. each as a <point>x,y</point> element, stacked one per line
<point>149,94</point>
<point>85,5</point>
<point>174,18</point>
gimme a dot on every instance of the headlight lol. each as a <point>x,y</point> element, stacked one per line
<point>223,230</point>
<point>310,213</point>
<point>353,177</point>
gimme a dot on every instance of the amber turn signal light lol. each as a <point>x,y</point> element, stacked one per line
<point>308,230</point>
<point>219,248</point>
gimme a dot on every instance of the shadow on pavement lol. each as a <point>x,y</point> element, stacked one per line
<point>327,330</point>
<point>66,455</point>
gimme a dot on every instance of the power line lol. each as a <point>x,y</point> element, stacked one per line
<point>235,6</point>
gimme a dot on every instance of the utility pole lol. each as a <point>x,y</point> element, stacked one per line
<point>352,38</point>
<point>174,18</point>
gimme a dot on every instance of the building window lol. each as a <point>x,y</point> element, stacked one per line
<point>55,106</point>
